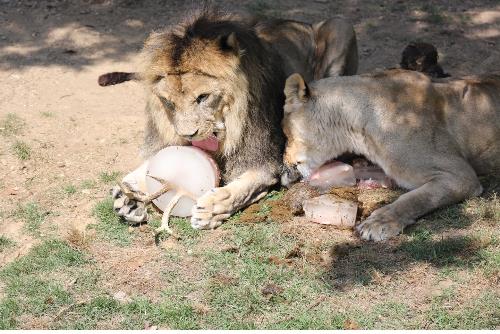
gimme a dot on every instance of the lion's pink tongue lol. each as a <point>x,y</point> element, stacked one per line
<point>209,144</point>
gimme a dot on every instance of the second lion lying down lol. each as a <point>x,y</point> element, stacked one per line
<point>431,137</point>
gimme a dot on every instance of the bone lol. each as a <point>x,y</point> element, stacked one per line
<point>372,177</point>
<point>331,210</point>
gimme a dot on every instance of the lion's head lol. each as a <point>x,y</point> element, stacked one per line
<point>198,74</point>
<point>302,153</point>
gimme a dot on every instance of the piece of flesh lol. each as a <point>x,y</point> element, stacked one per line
<point>372,177</point>
<point>333,174</point>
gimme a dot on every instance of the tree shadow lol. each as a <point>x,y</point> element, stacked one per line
<point>77,34</point>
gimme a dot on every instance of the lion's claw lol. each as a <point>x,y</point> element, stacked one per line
<point>381,225</point>
<point>211,209</point>
<point>131,210</point>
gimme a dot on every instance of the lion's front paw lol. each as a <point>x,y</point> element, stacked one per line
<point>382,224</point>
<point>132,211</point>
<point>211,209</point>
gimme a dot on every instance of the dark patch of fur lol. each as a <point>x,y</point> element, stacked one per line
<point>113,78</point>
<point>422,57</point>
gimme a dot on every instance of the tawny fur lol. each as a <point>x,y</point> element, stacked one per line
<point>432,137</point>
<point>224,75</point>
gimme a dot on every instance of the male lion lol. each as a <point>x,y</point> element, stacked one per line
<point>431,137</point>
<point>223,76</point>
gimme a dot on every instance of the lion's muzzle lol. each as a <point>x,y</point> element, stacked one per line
<point>289,175</point>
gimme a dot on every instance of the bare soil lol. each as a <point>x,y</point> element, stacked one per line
<point>51,54</point>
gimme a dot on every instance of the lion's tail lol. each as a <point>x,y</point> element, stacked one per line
<point>113,78</point>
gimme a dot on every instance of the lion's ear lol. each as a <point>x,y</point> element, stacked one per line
<point>296,88</point>
<point>229,43</point>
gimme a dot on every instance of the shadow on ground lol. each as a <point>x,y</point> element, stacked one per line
<point>441,239</point>
<point>80,33</point>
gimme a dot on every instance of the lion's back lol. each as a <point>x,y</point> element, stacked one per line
<point>477,123</point>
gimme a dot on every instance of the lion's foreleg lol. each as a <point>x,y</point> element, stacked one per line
<point>125,204</point>
<point>442,189</point>
<point>220,203</point>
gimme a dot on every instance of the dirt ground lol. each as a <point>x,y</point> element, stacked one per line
<point>64,139</point>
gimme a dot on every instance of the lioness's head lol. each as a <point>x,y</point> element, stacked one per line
<point>195,74</point>
<point>302,154</point>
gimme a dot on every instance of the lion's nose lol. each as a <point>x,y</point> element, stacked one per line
<point>289,175</point>
<point>190,135</point>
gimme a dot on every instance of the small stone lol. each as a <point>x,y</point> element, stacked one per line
<point>230,249</point>
<point>271,289</point>
<point>121,297</point>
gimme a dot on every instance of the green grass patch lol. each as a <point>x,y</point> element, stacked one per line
<point>69,189</point>
<point>47,114</point>
<point>21,150</point>
<point>182,226</point>
<point>88,315</point>
<point>236,281</point>
<point>46,257</point>
<point>110,226</point>
<point>88,184</point>
<point>109,177</point>
<point>385,315</point>
<point>464,251</point>
<point>480,313</point>
<point>174,315</point>
<point>33,217</point>
<point>9,309</point>
<point>449,250</point>
<point>27,290</point>
<point>5,243</point>
<point>37,296</point>
<point>11,125</point>
<point>275,195</point>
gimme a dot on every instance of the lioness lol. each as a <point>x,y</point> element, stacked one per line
<point>221,77</point>
<point>431,137</point>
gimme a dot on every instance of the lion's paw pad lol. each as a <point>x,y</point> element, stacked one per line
<point>376,228</point>
<point>131,210</point>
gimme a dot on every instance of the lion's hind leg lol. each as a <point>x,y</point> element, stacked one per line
<point>337,49</point>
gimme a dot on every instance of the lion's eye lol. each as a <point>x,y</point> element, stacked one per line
<point>166,103</point>
<point>202,98</point>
